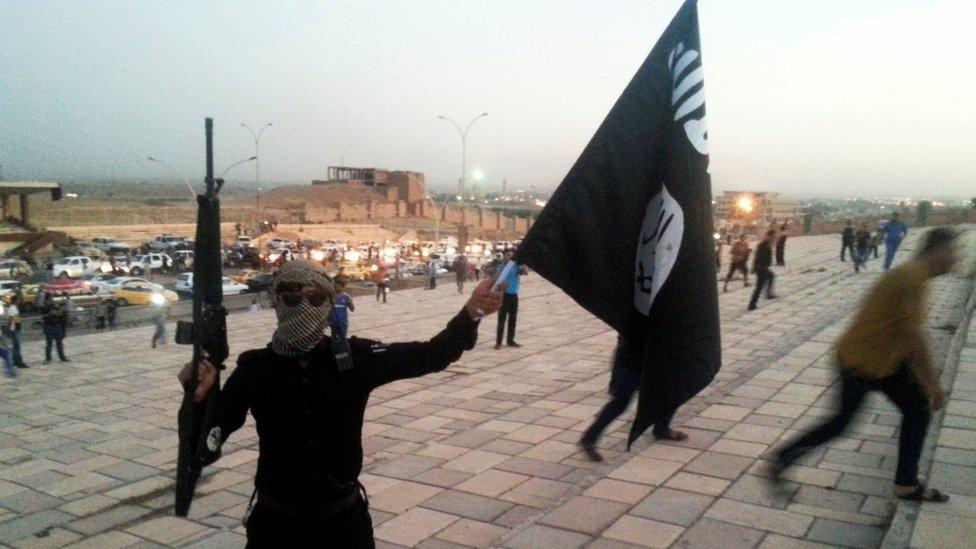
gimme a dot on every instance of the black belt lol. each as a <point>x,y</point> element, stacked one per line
<point>302,511</point>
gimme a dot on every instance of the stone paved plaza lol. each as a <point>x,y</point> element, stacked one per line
<point>484,453</point>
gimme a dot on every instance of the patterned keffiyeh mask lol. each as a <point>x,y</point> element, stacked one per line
<point>300,326</point>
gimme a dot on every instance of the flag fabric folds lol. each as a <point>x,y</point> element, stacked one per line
<point>629,232</point>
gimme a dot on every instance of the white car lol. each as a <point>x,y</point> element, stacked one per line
<point>280,243</point>
<point>144,262</point>
<point>165,242</point>
<point>12,268</point>
<point>75,266</point>
<point>9,287</point>
<point>106,284</point>
<point>242,241</point>
<point>184,284</point>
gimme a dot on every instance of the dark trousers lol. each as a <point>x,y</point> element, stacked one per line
<point>764,280</point>
<point>904,391</point>
<point>844,248</point>
<point>509,311</point>
<point>352,529</point>
<point>617,405</point>
<point>737,266</point>
<point>381,291</point>
<point>15,348</point>
<point>781,256</point>
<point>53,335</point>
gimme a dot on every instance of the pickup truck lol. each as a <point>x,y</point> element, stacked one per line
<point>75,265</point>
<point>144,262</point>
<point>110,245</point>
<point>164,242</point>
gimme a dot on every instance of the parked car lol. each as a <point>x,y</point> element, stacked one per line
<point>242,241</point>
<point>280,243</point>
<point>75,266</point>
<point>242,257</point>
<point>184,285</point>
<point>187,256</point>
<point>15,268</point>
<point>164,242</point>
<point>8,288</point>
<point>245,275</point>
<point>260,282</point>
<point>142,263</point>
<point>110,245</point>
<point>136,292</point>
<point>106,284</point>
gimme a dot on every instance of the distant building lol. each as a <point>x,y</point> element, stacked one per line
<point>392,185</point>
<point>752,207</point>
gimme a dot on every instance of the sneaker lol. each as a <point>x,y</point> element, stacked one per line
<point>751,308</point>
<point>513,344</point>
<point>590,450</point>
<point>771,296</point>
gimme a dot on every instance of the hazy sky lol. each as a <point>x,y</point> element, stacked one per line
<point>833,97</point>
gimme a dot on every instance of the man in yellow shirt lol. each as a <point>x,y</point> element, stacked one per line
<point>885,350</point>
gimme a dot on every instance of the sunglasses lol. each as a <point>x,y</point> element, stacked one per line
<point>292,294</point>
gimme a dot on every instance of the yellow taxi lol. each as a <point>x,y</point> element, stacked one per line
<point>142,293</point>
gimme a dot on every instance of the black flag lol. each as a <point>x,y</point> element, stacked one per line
<point>628,233</point>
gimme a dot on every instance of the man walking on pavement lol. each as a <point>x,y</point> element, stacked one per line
<point>885,350</point>
<point>781,246</point>
<point>624,382</point>
<point>740,262</point>
<point>894,232</point>
<point>509,308</point>
<point>13,326</point>
<point>847,240</point>
<point>862,247</point>
<point>761,264</point>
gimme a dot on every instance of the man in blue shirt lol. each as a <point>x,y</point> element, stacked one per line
<point>509,309</point>
<point>894,232</point>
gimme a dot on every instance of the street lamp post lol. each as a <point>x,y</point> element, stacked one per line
<point>177,172</point>
<point>464,147</point>
<point>257,163</point>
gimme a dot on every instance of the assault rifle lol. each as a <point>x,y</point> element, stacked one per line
<point>200,437</point>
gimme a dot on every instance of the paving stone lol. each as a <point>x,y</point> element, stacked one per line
<point>585,514</point>
<point>472,533</point>
<point>719,465</point>
<point>643,532</point>
<point>758,490</point>
<point>698,483</point>
<point>846,534</point>
<point>833,499</point>
<point>108,519</point>
<point>414,526</point>
<point>491,483</point>
<point>776,541</point>
<point>397,499</point>
<point>166,530</point>
<point>715,533</point>
<point>645,470</point>
<point>763,518</point>
<point>28,525</point>
<point>618,490</point>
<point>673,506</point>
<point>934,529</point>
<point>537,536</point>
<point>467,505</point>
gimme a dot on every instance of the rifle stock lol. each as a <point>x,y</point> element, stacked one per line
<point>200,438</point>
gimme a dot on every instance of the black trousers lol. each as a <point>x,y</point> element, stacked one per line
<point>781,256</point>
<point>352,529</point>
<point>844,248</point>
<point>509,311</point>
<point>381,291</point>
<point>903,389</point>
<point>737,266</point>
<point>627,383</point>
<point>764,280</point>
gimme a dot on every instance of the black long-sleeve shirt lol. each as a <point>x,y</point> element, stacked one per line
<point>763,258</point>
<point>310,420</point>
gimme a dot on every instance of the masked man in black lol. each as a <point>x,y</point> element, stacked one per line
<point>309,414</point>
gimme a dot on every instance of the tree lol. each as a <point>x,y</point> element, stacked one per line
<point>922,212</point>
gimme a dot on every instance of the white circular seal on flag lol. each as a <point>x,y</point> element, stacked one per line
<point>657,248</point>
<point>213,439</point>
